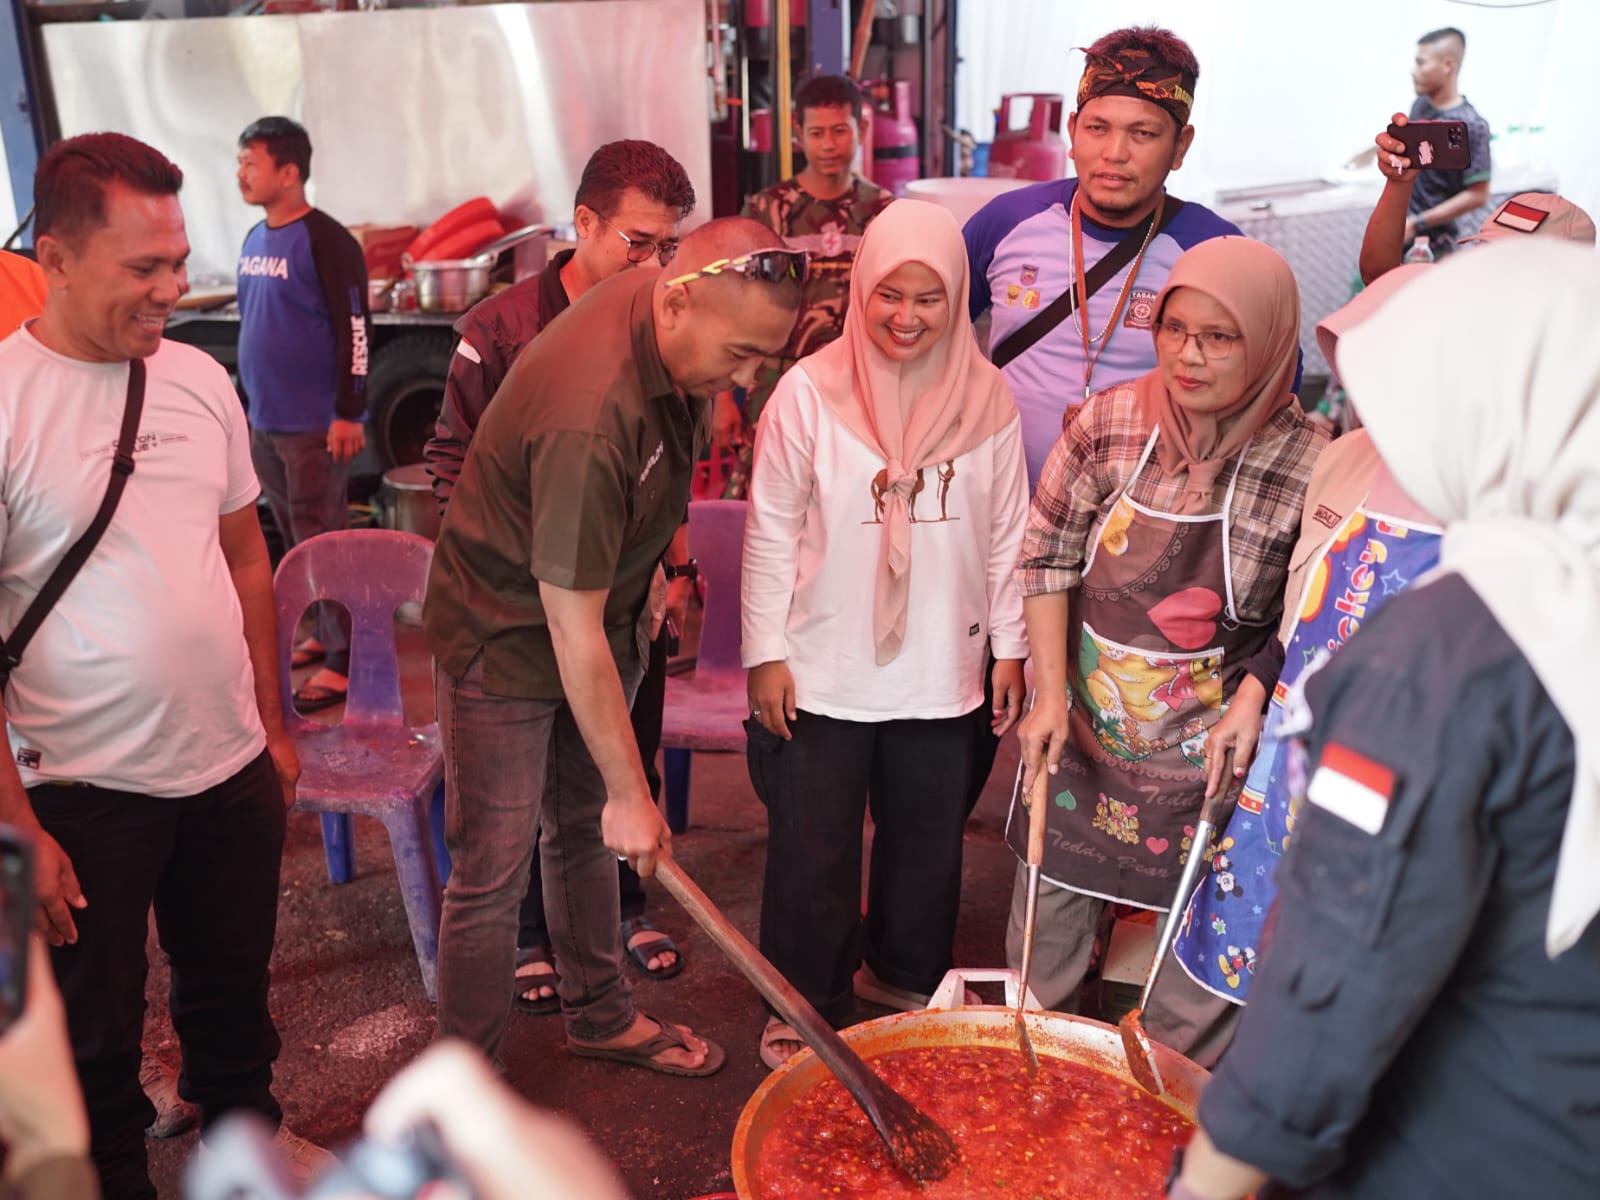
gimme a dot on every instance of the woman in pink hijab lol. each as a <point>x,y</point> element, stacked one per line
<point>886,515</point>
<point>1153,574</point>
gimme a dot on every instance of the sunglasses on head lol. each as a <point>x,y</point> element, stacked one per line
<point>764,266</point>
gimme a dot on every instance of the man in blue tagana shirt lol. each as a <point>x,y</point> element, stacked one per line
<point>303,366</point>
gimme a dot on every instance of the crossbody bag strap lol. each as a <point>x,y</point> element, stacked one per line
<point>1022,339</point>
<point>78,553</point>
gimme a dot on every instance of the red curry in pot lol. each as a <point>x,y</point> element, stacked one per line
<point>1072,1133</point>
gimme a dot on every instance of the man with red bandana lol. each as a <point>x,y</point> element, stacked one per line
<point>1130,131</point>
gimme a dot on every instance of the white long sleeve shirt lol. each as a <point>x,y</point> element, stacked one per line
<point>811,546</point>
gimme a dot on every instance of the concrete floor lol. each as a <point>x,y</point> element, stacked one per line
<point>350,1008</point>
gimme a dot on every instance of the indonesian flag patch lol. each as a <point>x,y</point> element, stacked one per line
<point>1352,787</point>
<point>1522,217</point>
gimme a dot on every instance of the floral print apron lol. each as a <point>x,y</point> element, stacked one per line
<point>1155,644</point>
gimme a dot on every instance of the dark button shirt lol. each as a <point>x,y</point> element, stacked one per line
<point>1435,187</point>
<point>1407,1036</point>
<point>578,476</point>
<point>493,333</point>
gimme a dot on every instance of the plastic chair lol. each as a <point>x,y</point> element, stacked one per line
<point>706,710</point>
<point>372,763</point>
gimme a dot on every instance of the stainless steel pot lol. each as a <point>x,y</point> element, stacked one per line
<point>456,284</point>
<point>406,498</point>
<point>1054,1035</point>
<point>450,285</point>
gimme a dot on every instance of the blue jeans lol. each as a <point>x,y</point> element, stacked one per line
<point>308,493</point>
<point>647,714</point>
<point>515,769</point>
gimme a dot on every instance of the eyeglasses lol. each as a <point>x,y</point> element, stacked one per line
<point>764,266</point>
<point>642,249</point>
<point>1213,343</point>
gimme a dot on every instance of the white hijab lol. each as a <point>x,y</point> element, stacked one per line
<point>1480,384</point>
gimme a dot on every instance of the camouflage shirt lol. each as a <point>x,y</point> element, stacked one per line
<point>830,230</point>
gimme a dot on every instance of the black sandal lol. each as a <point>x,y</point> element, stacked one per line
<point>650,948</point>
<point>537,1005</point>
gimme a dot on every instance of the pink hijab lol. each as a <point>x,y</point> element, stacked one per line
<point>1252,281</point>
<point>913,414</point>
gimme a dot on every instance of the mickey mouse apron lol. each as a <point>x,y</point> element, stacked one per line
<point>1371,559</point>
<point>1158,645</point>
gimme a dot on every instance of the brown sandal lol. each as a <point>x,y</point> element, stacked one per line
<point>643,1055</point>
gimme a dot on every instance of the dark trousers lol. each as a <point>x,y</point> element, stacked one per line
<point>309,494</point>
<point>985,744</point>
<point>647,711</point>
<point>512,767</point>
<point>209,865</point>
<point>913,778</point>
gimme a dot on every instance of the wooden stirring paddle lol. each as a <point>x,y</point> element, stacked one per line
<point>919,1146</point>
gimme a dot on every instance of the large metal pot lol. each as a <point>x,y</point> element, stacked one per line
<point>456,284</point>
<point>407,501</point>
<point>1054,1035</point>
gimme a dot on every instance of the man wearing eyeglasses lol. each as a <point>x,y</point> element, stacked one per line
<point>630,202</point>
<point>631,199</point>
<point>543,599</point>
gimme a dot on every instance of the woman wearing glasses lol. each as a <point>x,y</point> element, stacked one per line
<point>886,516</point>
<point>1153,574</point>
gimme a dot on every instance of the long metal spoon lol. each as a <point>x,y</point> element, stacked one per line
<point>1135,1040</point>
<point>1036,802</point>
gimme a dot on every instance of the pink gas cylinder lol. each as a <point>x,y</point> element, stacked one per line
<point>895,150</point>
<point>1036,150</point>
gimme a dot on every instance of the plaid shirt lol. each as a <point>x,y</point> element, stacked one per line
<point>1097,453</point>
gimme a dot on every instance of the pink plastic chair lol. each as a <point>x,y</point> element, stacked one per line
<point>371,764</point>
<point>706,710</point>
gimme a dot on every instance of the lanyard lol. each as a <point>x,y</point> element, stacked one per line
<point>1082,286</point>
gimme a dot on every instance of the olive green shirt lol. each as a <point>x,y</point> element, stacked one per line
<point>578,476</point>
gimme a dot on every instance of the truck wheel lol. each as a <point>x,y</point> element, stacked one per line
<point>404,391</point>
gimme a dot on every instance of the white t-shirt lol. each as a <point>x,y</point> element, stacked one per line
<point>139,678</point>
<point>811,547</point>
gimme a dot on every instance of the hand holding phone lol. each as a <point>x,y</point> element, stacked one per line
<point>41,1107</point>
<point>16,919</point>
<point>1434,145</point>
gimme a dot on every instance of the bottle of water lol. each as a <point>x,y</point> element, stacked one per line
<point>1420,251</point>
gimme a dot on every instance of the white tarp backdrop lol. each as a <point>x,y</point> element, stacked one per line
<point>1290,89</point>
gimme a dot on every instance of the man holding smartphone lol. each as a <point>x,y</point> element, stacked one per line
<point>1438,197</point>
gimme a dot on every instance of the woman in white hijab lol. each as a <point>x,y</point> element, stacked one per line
<point>1425,1019</point>
<point>886,515</point>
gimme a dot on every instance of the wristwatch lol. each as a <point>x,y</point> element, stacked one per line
<point>689,569</point>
